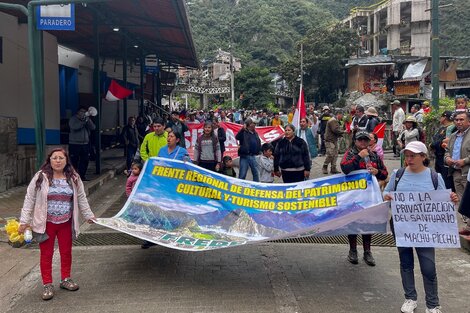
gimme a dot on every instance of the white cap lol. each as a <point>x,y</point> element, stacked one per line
<point>416,147</point>
<point>326,108</point>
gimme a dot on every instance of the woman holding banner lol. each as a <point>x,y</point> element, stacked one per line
<point>417,177</point>
<point>360,156</point>
<point>291,156</point>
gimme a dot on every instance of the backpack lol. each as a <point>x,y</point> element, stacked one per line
<point>401,171</point>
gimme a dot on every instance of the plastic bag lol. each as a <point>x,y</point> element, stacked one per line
<point>15,239</point>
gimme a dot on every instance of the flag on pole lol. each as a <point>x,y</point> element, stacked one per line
<point>379,130</point>
<point>300,111</point>
<point>117,92</point>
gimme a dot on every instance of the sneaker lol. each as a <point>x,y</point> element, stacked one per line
<point>368,258</point>
<point>409,306</point>
<point>48,292</point>
<point>352,257</point>
<point>437,309</point>
<point>147,244</point>
<point>335,171</point>
<point>69,284</point>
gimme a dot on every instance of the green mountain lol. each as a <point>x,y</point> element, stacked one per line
<point>265,32</point>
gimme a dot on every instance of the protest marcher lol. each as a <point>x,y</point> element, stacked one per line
<point>153,142</point>
<point>418,114</point>
<point>178,126</point>
<point>266,163</point>
<point>464,207</point>
<point>417,177</point>
<point>141,125</point>
<point>192,119</point>
<point>360,120</point>
<point>461,102</point>
<point>438,147</point>
<point>227,167</point>
<point>373,119</point>
<point>136,168</point>
<point>81,126</point>
<point>291,157</point>
<point>172,150</point>
<point>326,115</point>
<point>130,137</point>
<point>333,132</point>
<point>373,146</point>
<point>397,125</point>
<point>221,135</point>
<point>263,121</point>
<point>309,136</point>
<point>250,147</point>
<point>207,152</point>
<point>276,121</point>
<point>356,158</point>
<point>53,201</point>
<point>409,134</point>
<point>457,155</point>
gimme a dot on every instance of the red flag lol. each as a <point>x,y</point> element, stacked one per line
<point>379,130</point>
<point>117,92</point>
<point>300,111</point>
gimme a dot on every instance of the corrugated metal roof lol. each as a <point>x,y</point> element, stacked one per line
<point>370,60</point>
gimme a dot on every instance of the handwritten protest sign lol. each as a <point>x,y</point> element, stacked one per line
<point>425,219</point>
<point>183,206</point>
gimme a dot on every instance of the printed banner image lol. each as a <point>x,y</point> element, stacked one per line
<point>425,219</point>
<point>182,206</point>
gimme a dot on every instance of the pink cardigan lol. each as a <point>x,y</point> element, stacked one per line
<point>131,180</point>
<point>34,211</point>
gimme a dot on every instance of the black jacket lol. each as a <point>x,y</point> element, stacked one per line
<point>292,154</point>
<point>244,136</point>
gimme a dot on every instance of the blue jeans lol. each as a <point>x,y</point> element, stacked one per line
<point>427,263</point>
<point>248,161</point>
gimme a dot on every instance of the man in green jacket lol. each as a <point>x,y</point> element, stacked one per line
<point>154,141</point>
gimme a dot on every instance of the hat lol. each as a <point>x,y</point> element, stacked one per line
<point>396,102</point>
<point>410,119</point>
<point>447,115</point>
<point>372,111</point>
<point>326,108</point>
<point>416,147</point>
<point>426,102</point>
<point>361,134</point>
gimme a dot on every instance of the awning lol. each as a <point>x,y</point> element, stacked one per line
<point>153,27</point>
<point>415,69</point>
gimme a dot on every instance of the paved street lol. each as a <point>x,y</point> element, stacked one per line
<point>268,277</point>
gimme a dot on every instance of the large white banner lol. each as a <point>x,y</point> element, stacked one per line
<point>425,219</point>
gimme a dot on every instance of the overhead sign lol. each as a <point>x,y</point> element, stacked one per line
<point>151,65</point>
<point>56,17</point>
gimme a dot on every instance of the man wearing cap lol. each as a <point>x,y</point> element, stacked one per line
<point>332,133</point>
<point>373,119</point>
<point>177,126</point>
<point>356,158</point>
<point>397,124</point>
<point>457,156</point>
<point>439,149</point>
<point>324,118</point>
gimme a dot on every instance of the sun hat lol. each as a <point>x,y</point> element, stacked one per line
<point>416,147</point>
<point>326,108</point>
<point>410,119</point>
<point>372,111</point>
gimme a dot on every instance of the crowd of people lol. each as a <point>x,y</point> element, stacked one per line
<point>55,196</point>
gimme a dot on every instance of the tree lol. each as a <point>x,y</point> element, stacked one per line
<point>324,52</point>
<point>254,88</point>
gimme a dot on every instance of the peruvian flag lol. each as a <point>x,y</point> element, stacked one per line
<point>117,92</point>
<point>379,130</point>
<point>300,111</point>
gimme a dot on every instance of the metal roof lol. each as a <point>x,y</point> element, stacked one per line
<point>370,60</point>
<point>158,27</point>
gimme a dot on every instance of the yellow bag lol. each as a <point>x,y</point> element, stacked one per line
<point>14,238</point>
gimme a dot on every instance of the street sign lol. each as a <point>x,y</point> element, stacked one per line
<point>56,17</point>
<point>151,65</point>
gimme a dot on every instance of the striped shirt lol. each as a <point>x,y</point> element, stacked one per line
<point>59,201</point>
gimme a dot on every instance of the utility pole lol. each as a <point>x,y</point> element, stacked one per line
<point>232,79</point>
<point>435,53</point>
<point>301,65</point>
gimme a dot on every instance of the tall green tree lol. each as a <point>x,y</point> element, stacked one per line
<point>253,86</point>
<point>324,52</point>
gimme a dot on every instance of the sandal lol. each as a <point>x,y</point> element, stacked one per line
<point>48,292</point>
<point>69,284</point>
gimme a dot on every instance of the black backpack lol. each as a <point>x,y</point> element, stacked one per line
<point>401,171</point>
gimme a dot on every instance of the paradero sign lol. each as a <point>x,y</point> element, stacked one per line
<point>55,17</point>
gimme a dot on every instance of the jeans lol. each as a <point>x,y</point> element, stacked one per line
<point>130,153</point>
<point>427,263</point>
<point>248,161</point>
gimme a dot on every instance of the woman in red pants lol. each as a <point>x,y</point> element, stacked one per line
<point>54,197</point>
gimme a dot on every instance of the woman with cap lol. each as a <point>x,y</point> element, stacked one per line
<point>356,158</point>
<point>373,119</point>
<point>417,176</point>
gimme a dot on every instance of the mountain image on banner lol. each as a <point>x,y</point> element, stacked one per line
<point>117,92</point>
